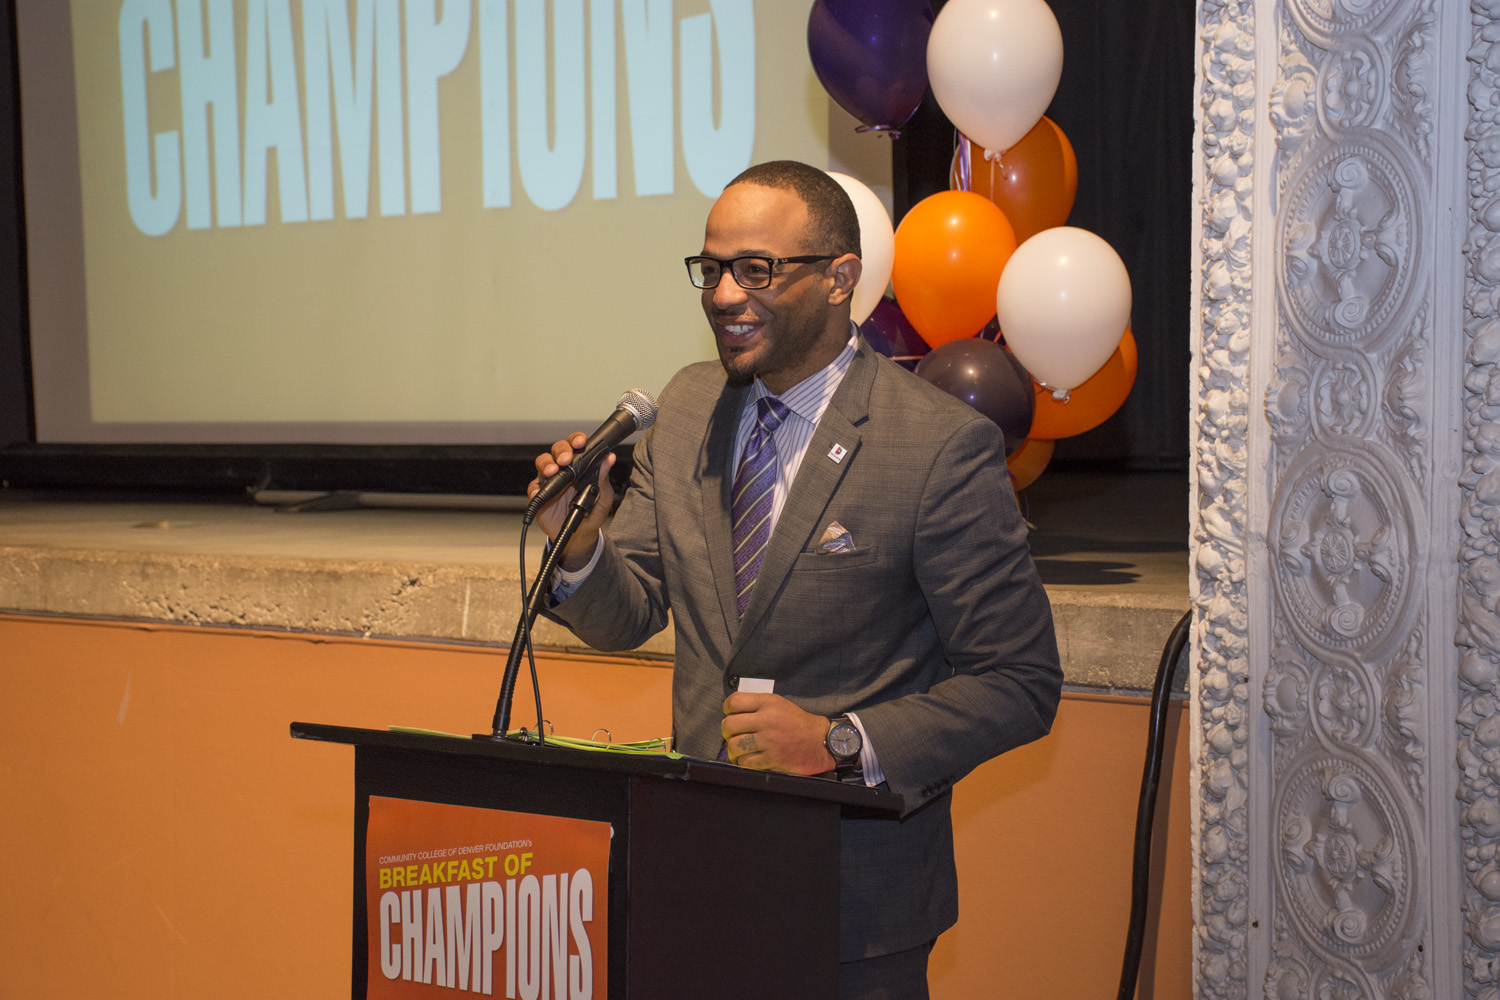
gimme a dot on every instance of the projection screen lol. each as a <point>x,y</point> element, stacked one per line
<point>377,221</point>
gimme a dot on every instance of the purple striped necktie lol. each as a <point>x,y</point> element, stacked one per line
<point>754,492</point>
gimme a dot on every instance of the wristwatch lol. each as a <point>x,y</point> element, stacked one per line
<point>844,743</point>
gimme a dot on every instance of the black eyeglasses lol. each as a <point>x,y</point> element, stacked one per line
<point>750,273</point>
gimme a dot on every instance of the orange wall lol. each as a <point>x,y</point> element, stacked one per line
<point>165,838</point>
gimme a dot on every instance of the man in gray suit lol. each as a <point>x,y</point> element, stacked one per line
<point>820,520</point>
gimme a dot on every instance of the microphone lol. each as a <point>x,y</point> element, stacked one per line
<point>635,411</point>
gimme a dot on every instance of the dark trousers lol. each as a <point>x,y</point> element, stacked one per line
<point>899,976</point>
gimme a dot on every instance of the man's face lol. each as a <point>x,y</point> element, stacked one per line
<point>781,333</point>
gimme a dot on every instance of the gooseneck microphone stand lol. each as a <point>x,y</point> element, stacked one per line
<point>578,510</point>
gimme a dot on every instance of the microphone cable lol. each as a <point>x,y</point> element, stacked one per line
<point>1145,816</point>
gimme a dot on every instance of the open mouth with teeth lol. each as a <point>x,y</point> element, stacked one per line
<point>737,334</point>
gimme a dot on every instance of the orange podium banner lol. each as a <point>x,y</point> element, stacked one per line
<point>484,901</point>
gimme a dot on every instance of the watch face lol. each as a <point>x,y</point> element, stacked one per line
<point>843,740</point>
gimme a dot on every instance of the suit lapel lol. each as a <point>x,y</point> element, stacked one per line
<point>817,479</point>
<point>718,481</point>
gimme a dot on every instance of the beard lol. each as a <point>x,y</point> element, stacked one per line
<point>737,374</point>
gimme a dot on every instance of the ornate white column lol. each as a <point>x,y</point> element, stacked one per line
<point>1345,533</point>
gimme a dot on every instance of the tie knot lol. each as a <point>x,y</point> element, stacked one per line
<point>770,412</point>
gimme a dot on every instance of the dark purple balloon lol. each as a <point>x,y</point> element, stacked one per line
<point>871,57</point>
<point>891,334</point>
<point>988,378</point>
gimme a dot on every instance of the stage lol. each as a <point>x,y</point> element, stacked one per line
<point>1111,549</point>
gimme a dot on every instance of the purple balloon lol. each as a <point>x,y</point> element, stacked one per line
<point>891,334</point>
<point>871,57</point>
<point>988,378</point>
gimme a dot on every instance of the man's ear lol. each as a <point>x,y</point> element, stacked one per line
<point>846,272</point>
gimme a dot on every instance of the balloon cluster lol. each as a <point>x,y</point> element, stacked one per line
<point>996,300</point>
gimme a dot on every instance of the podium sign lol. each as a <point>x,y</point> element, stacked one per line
<point>489,901</point>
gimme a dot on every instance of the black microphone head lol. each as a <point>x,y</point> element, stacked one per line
<point>642,406</point>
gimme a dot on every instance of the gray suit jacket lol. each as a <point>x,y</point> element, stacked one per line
<point>935,629</point>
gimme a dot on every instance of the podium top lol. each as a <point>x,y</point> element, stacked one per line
<point>853,799</point>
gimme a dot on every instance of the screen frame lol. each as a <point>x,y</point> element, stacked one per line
<point>919,166</point>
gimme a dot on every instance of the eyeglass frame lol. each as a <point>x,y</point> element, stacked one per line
<point>727,267</point>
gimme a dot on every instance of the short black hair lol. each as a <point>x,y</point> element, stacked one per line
<point>833,223</point>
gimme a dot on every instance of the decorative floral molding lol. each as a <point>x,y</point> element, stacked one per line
<point>1226,124</point>
<point>1347,407</point>
<point>1478,633</point>
<point>1347,506</point>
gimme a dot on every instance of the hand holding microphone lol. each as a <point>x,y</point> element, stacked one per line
<point>574,459</point>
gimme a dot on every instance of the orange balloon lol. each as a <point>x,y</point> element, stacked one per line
<point>1034,182</point>
<point>1026,463</point>
<point>1090,403</point>
<point>950,250</point>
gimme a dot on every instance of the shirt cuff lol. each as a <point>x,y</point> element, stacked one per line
<point>568,581</point>
<point>869,764</point>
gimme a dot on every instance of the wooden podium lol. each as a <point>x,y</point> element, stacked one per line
<point>723,881</point>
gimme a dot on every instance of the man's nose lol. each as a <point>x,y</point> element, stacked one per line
<point>728,293</point>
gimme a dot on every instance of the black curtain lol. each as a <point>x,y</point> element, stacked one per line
<point>15,366</point>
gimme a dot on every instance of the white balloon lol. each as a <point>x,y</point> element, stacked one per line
<point>877,246</point>
<point>1064,304</point>
<point>994,66</point>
